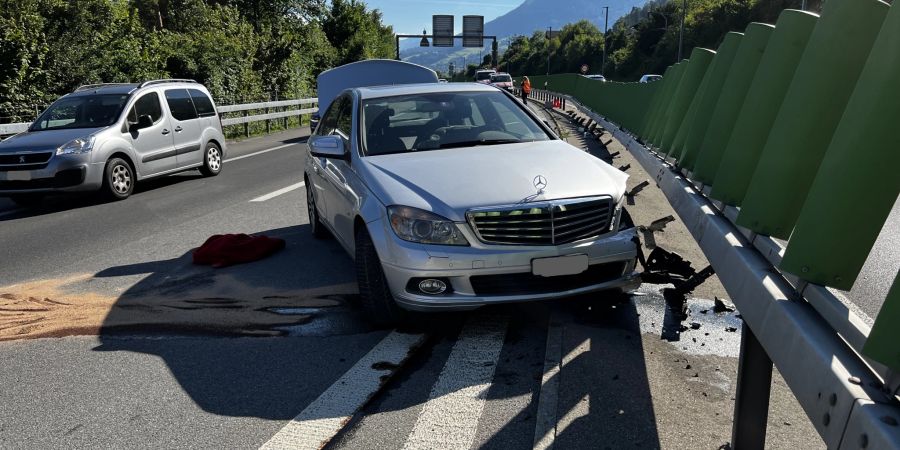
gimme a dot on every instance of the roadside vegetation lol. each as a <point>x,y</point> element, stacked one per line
<point>643,41</point>
<point>242,50</point>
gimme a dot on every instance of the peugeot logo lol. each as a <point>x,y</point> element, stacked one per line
<point>540,183</point>
<point>22,159</point>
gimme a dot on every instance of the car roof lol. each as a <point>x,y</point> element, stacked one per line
<point>106,89</point>
<point>421,88</point>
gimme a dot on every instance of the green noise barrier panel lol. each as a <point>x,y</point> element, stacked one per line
<point>707,144</point>
<point>761,104</point>
<point>689,115</point>
<point>659,87</point>
<point>669,94</point>
<point>882,342</point>
<point>690,81</point>
<point>857,183</point>
<point>813,106</point>
<point>716,75</point>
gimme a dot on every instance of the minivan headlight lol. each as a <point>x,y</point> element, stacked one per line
<point>76,146</point>
<point>416,225</point>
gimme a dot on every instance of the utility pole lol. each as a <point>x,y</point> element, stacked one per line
<point>549,35</point>
<point>605,41</point>
<point>681,33</point>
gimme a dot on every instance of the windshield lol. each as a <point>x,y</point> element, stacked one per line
<point>83,111</point>
<point>501,79</point>
<point>433,121</point>
<point>483,75</point>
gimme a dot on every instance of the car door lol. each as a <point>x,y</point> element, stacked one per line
<point>341,197</point>
<point>154,146</point>
<point>186,125</point>
<point>319,184</point>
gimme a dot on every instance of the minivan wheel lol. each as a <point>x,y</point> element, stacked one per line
<point>377,301</point>
<point>212,160</point>
<point>118,180</point>
<point>27,199</point>
<point>315,223</point>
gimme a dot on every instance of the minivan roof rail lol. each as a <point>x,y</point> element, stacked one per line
<point>168,80</point>
<point>98,85</point>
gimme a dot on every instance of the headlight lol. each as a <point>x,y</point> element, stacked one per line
<point>415,225</point>
<point>617,217</point>
<point>76,146</point>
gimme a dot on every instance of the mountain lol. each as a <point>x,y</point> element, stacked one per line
<point>525,19</point>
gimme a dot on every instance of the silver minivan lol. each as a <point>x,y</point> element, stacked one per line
<point>107,137</point>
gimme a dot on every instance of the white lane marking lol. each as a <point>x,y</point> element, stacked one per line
<point>260,152</point>
<point>548,401</point>
<point>449,419</point>
<point>581,408</point>
<point>284,190</point>
<point>324,417</point>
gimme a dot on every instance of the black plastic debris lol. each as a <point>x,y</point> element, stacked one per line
<point>721,307</point>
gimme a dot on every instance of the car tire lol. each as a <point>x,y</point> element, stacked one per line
<point>212,160</point>
<point>377,300</point>
<point>315,223</point>
<point>118,179</point>
<point>26,200</point>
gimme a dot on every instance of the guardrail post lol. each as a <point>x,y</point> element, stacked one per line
<point>246,125</point>
<point>751,401</point>
<point>268,122</point>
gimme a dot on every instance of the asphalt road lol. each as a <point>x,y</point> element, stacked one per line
<point>158,352</point>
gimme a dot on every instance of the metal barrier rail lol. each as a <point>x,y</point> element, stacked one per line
<point>841,392</point>
<point>15,128</point>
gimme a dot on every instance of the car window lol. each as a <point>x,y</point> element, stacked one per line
<point>344,117</point>
<point>202,102</point>
<point>180,104</point>
<point>329,121</point>
<point>147,105</point>
<point>443,120</point>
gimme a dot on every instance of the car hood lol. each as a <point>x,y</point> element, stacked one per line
<point>33,141</point>
<point>450,182</point>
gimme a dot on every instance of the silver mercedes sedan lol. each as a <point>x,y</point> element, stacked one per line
<point>455,196</point>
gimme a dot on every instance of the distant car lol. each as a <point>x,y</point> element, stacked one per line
<point>457,196</point>
<point>107,137</point>
<point>596,77</point>
<point>502,80</point>
<point>442,80</point>
<point>649,78</point>
<point>484,76</point>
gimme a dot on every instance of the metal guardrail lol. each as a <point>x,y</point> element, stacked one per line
<point>793,321</point>
<point>14,128</point>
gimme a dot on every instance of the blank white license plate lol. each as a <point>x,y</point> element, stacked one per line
<point>18,175</point>
<point>559,265</point>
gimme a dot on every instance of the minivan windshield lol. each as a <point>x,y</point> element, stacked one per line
<point>83,111</point>
<point>443,120</point>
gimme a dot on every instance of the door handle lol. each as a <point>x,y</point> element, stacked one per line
<point>178,129</point>
<point>165,131</point>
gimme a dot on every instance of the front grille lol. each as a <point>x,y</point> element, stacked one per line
<point>527,283</point>
<point>544,223</point>
<point>24,161</point>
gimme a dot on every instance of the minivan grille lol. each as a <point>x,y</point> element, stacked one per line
<point>24,161</point>
<point>543,223</point>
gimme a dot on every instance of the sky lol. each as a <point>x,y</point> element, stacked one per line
<point>410,16</point>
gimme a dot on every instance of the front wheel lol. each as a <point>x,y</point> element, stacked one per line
<point>118,180</point>
<point>315,222</point>
<point>377,300</point>
<point>212,160</point>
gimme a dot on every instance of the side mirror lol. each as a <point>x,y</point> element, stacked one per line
<point>144,121</point>
<point>327,147</point>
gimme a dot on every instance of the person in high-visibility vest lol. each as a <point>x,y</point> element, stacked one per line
<point>526,89</point>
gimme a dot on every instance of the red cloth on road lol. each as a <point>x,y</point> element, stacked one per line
<point>226,249</point>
